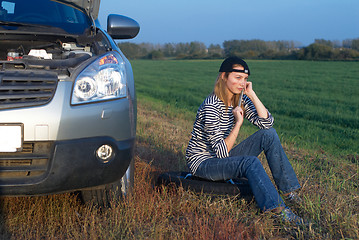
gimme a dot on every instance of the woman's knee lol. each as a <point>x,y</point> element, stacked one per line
<point>252,161</point>
<point>270,133</point>
<point>253,165</point>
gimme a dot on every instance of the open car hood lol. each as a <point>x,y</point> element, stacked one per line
<point>91,7</point>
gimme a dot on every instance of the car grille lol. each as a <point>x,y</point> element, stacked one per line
<point>28,166</point>
<point>25,88</point>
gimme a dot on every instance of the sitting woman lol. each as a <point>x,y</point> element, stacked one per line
<point>211,153</point>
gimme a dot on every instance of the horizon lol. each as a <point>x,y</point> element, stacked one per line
<point>221,44</point>
<point>204,21</point>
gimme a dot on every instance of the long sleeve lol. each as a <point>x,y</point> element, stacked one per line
<point>252,116</point>
<point>214,134</point>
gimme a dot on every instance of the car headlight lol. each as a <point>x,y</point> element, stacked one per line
<point>104,79</point>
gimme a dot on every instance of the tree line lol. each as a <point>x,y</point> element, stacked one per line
<point>321,49</point>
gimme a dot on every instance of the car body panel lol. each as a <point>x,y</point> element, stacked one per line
<point>72,166</point>
<point>64,122</point>
<point>91,7</point>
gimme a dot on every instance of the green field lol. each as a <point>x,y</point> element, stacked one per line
<point>315,104</point>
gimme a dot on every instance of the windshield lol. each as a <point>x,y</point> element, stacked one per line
<point>43,12</point>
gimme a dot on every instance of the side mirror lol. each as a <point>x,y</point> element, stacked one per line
<point>121,27</point>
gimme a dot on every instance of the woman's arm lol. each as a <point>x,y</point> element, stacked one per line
<point>261,109</point>
<point>210,115</point>
<point>231,138</point>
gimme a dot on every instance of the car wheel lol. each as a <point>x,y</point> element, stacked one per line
<point>189,182</point>
<point>102,196</point>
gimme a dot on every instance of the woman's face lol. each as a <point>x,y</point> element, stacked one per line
<point>236,81</point>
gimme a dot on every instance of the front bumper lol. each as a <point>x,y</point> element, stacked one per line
<point>61,166</point>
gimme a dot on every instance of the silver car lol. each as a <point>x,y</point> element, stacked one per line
<point>67,100</point>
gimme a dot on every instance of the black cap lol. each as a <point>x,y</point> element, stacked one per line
<point>227,65</point>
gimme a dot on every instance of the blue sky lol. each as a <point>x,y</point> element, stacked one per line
<point>209,21</point>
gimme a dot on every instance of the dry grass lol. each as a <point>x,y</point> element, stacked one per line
<point>330,193</point>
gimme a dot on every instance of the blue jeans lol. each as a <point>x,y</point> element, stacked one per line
<point>243,162</point>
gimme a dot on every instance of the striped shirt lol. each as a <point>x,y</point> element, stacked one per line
<point>212,125</point>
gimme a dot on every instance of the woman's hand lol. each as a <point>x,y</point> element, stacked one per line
<point>261,110</point>
<point>249,89</point>
<point>238,115</point>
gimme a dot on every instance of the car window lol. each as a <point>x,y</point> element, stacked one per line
<point>44,12</point>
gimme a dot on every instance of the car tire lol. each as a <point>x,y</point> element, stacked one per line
<point>102,196</point>
<point>189,182</point>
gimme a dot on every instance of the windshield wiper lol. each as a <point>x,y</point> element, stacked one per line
<point>21,24</point>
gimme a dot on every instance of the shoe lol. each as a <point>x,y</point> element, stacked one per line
<point>294,198</point>
<point>288,216</point>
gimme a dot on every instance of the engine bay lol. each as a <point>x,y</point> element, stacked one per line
<point>48,52</point>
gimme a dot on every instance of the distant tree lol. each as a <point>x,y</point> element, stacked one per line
<point>182,49</point>
<point>316,51</point>
<point>148,47</point>
<point>253,48</point>
<point>345,54</point>
<point>169,50</point>
<point>347,43</point>
<point>215,51</point>
<point>337,44</point>
<point>321,49</point>
<point>197,50</point>
<point>269,54</point>
<point>251,54</point>
<point>284,45</point>
<point>132,50</point>
<point>156,55</point>
<point>231,48</point>
<point>255,45</point>
<point>324,42</point>
<point>355,44</point>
